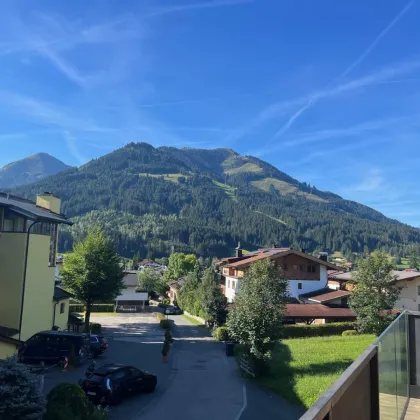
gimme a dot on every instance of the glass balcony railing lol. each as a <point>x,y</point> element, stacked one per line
<point>383,383</point>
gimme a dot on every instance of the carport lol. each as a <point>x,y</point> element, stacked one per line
<point>131,302</point>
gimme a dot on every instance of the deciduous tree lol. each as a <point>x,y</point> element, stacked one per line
<point>93,271</point>
<point>179,265</point>
<point>213,302</point>
<point>256,319</point>
<point>374,294</point>
<point>149,279</point>
<point>414,258</point>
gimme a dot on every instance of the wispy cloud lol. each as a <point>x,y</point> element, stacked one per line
<point>196,6</point>
<point>314,99</point>
<point>371,182</point>
<point>73,149</point>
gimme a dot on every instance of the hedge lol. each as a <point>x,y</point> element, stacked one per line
<point>316,330</point>
<point>349,332</point>
<point>160,316</point>
<point>221,334</point>
<point>99,307</point>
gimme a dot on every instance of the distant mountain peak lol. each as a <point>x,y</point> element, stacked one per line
<point>30,169</point>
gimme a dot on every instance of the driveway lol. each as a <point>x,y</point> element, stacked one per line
<point>207,385</point>
<point>134,339</point>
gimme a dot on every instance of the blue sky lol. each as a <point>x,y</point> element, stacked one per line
<point>328,91</point>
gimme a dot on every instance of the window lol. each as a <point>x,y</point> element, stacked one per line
<point>119,374</point>
<point>53,244</point>
<point>295,267</point>
<point>300,286</point>
<point>311,268</point>
<point>62,307</point>
<point>418,290</point>
<point>228,284</point>
<point>233,284</point>
<point>135,373</point>
<point>12,222</point>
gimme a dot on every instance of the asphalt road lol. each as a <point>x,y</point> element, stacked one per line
<point>199,382</point>
<point>134,339</point>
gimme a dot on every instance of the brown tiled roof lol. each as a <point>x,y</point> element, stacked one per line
<point>316,310</point>
<point>324,295</point>
<point>281,253</point>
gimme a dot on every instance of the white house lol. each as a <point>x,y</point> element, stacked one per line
<point>304,272</point>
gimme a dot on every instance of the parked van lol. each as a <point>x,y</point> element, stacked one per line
<point>53,346</point>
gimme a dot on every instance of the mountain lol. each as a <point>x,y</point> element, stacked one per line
<point>30,169</point>
<point>205,201</point>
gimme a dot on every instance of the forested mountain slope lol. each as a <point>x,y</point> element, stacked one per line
<point>205,201</point>
<point>30,169</point>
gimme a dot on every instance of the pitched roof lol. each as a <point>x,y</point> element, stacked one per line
<point>274,253</point>
<point>324,295</point>
<point>316,310</point>
<point>348,276</point>
<point>8,332</point>
<point>61,294</point>
<point>131,279</point>
<point>29,209</point>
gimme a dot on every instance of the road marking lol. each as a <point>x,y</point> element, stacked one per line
<point>245,403</point>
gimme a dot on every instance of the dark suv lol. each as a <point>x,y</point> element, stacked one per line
<point>53,346</point>
<point>98,345</point>
<point>111,383</point>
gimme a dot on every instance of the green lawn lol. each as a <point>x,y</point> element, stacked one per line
<point>230,191</point>
<point>192,320</point>
<point>166,177</point>
<point>302,369</point>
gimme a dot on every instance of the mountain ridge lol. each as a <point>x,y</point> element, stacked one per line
<point>205,201</point>
<point>30,169</point>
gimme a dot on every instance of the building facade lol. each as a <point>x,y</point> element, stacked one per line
<point>303,272</point>
<point>28,247</point>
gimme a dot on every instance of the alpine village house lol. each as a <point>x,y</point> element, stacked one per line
<point>30,299</point>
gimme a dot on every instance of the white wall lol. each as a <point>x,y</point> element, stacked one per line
<point>307,286</point>
<point>409,297</point>
<point>323,272</point>
<point>229,291</point>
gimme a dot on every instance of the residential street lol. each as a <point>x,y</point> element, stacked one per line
<point>198,382</point>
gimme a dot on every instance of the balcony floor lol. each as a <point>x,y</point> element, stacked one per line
<point>413,409</point>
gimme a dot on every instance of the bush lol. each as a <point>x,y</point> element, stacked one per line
<point>20,398</point>
<point>348,332</point>
<point>221,334</point>
<point>160,316</point>
<point>316,330</point>
<point>166,301</point>
<point>99,307</point>
<point>95,328</point>
<point>165,324</point>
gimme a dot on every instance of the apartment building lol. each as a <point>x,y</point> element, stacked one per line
<point>30,300</point>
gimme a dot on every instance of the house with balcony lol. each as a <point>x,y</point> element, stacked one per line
<point>303,272</point>
<point>30,300</point>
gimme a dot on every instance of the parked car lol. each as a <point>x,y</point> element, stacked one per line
<point>53,346</point>
<point>111,383</point>
<point>98,345</point>
<point>173,310</point>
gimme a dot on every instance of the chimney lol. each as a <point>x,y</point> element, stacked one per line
<point>323,256</point>
<point>238,250</point>
<point>49,201</point>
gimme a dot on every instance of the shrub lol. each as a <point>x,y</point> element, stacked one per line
<point>221,334</point>
<point>160,316</point>
<point>165,324</point>
<point>73,361</point>
<point>166,301</point>
<point>20,398</point>
<point>348,332</point>
<point>316,330</point>
<point>99,307</point>
<point>67,400</point>
<point>95,328</point>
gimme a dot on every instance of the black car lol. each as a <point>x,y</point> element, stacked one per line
<point>98,345</point>
<point>110,384</point>
<point>172,310</point>
<point>53,346</point>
